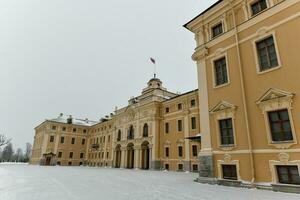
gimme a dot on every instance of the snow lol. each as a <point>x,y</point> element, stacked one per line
<point>27,182</point>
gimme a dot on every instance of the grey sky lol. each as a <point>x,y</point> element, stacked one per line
<point>84,57</point>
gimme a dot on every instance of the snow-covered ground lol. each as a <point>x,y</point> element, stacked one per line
<point>26,182</point>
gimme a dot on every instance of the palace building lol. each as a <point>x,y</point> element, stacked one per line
<point>247,55</point>
<point>158,129</point>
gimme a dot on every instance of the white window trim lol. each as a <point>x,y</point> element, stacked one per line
<point>251,2</point>
<point>274,104</point>
<point>284,160</point>
<point>220,21</point>
<point>261,35</point>
<point>227,160</point>
<point>215,86</point>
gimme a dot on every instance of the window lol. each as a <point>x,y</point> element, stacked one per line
<point>167,151</point>
<point>130,133</point>
<point>52,138</point>
<point>53,127</point>
<point>167,127</point>
<point>195,150</point>
<point>64,128</point>
<point>258,6</point>
<point>108,140</point>
<point>71,155</point>
<point>74,130</point>
<point>180,151</point>
<point>180,167</point>
<point>145,130</point>
<point>167,167</point>
<point>81,155</point>
<point>58,163</point>
<point>288,174</point>
<point>69,163</point>
<point>195,168</point>
<point>221,76</point>
<point>226,131</point>
<point>229,172</point>
<point>193,121</point>
<point>62,139</point>
<point>280,125</point>
<point>73,141</point>
<point>179,125</point>
<point>107,155</point>
<point>167,109</point>
<point>217,30</point>
<point>119,136</point>
<point>179,106</point>
<point>193,103</point>
<point>84,130</point>
<point>59,154</point>
<point>266,52</point>
<point>83,141</point>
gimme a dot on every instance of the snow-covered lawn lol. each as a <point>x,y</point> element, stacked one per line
<point>26,182</point>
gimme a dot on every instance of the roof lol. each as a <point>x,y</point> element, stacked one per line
<point>81,122</point>
<point>180,95</point>
<point>210,7</point>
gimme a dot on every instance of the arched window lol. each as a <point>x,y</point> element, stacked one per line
<point>145,130</point>
<point>130,133</point>
<point>119,136</point>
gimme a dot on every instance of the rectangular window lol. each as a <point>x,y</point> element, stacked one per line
<point>179,106</point>
<point>195,150</point>
<point>280,125</point>
<point>180,167</point>
<point>258,6</point>
<point>84,130</point>
<point>167,127</point>
<point>179,125</point>
<point>81,155</point>
<point>193,121</point>
<point>52,138</point>
<point>166,166</point>
<point>59,154</point>
<point>288,174</point>
<point>64,128</point>
<point>83,141</point>
<point>229,172</point>
<point>107,155</point>
<point>180,151</point>
<point>167,151</point>
<point>53,127</point>
<point>267,55</point>
<point>62,139</point>
<point>74,130</point>
<point>167,109</point>
<point>217,30</point>
<point>226,131</point>
<point>193,103</point>
<point>73,141</point>
<point>71,155</point>
<point>221,76</point>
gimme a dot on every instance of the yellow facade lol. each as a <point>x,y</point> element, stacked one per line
<point>131,137</point>
<point>248,69</point>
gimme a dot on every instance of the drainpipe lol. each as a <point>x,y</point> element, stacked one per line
<point>240,64</point>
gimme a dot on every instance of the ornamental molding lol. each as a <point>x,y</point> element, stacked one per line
<point>222,106</point>
<point>274,94</point>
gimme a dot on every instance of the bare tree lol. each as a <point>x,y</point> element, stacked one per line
<point>4,140</point>
<point>8,151</point>
<point>19,155</point>
<point>27,152</point>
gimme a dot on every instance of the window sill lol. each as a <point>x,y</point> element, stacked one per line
<point>220,86</point>
<point>283,144</point>
<point>268,70</point>
<point>227,147</point>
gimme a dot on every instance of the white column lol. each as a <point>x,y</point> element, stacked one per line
<point>136,157</point>
<point>123,159</point>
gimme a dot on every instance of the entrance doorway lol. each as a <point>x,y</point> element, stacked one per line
<point>118,157</point>
<point>145,155</point>
<point>130,156</point>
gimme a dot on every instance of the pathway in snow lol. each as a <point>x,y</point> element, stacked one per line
<point>26,182</point>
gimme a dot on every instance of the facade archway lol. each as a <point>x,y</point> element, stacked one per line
<point>130,156</point>
<point>118,156</point>
<point>145,155</point>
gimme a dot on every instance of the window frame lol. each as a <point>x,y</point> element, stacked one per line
<point>280,121</point>
<point>233,178</point>
<point>263,34</point>
<point>279,177</point>
<point>214,26</point>
<point>194,123</point>
<point>250,3</point>
<point>216,58</point>
<point>179,125</point>
<point>220,132</point>
<point>180,151</point>
<point>167,127</point>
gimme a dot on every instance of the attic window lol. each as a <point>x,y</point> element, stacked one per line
<point>217,30</point>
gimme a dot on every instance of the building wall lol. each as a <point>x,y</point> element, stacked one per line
<point>249,94</point>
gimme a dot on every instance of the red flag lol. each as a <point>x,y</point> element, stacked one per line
<point>152,60</point>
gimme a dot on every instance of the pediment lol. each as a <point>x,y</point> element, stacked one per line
<point>180,141</point>
<point>221,106</point>
<point>273,94</point>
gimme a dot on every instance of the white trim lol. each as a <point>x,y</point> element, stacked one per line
<point>262,34</point>
<point>227,160</point>
<point>250,3</point>
<point>219,55</point>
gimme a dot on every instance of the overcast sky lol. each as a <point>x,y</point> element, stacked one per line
<point>84,57</point>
